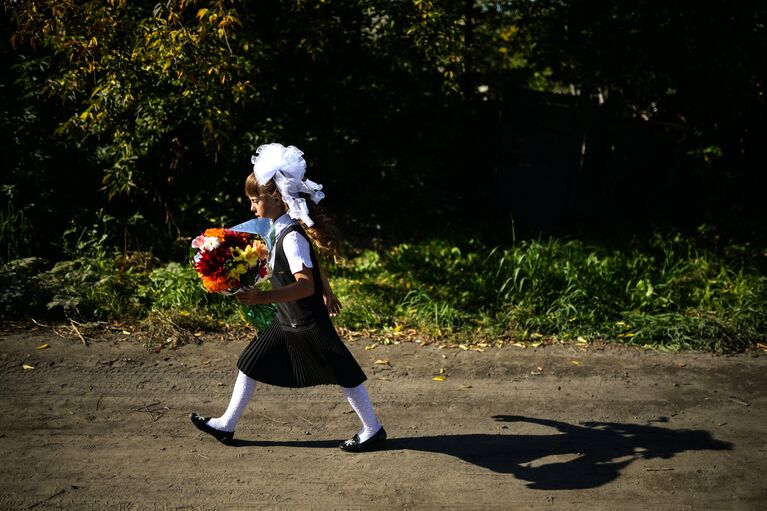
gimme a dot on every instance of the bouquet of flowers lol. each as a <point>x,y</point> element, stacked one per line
<point>228,261</point>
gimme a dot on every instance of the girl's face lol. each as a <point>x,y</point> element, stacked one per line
<point>265,206</point>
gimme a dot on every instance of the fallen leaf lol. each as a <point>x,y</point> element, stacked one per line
<point>382,362</point>
<point>535,344</point>
<point>439,378</point>
<point>582,340</point>
<point>370,346</point>
<point>536,335</point>
<point>46,345</point>
<point>463,347</point>
<point>126,332</point>
<point>519,345</point>
<point>761,346</point>
<point>464,386</point>
<point>575,362</point>
<point>27,366</point>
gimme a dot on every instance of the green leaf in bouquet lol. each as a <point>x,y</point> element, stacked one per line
<point>260,316</point>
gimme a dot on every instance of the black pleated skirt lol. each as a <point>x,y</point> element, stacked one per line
<point>301,356</point>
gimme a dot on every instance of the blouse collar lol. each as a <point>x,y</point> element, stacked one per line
<point>281,223</point>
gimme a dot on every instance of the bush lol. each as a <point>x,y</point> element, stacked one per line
<point>22,292</point>
<point>17,237</point>
<point>669,293</point>
<point>177,287</point>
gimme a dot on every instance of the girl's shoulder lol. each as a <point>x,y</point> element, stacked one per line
<point>295,238</point>
<point>293,231</point>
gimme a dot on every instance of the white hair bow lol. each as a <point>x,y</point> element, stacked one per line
<point>287,166</point>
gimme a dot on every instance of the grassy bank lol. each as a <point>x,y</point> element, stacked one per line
<point>668,292</point>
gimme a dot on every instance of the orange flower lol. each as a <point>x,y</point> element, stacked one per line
<point>217,232</point>
<point>261,249</point>
<point>215,285</point>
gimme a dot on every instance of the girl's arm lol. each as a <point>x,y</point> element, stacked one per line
<point>331,302</point>
<point>301,288</point>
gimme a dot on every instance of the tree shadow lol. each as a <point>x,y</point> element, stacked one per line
<point>584,456</point>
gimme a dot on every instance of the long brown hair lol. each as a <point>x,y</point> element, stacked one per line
<point>323,233</point>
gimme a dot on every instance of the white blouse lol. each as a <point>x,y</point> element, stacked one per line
<point>295,246</point>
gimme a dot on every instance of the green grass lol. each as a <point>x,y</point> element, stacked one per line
<point>17,236</point>
<point>669,292</point>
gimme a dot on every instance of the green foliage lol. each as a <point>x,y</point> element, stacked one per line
<point>21,292</point>
<point>131,76</point>
<point>669,293</point>
<point>90,285</point>
<point>98,283</point>
<point>16,234</point>
<point>373,302</point>
<point>177,287</point>
<point>91,288</point>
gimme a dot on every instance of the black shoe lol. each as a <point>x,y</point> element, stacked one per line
<point>354,444</point>
<point>201,423</point>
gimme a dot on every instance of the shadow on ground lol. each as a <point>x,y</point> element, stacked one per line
<point>577,456</point>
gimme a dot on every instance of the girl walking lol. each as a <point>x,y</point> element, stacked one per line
<point>301,347</point>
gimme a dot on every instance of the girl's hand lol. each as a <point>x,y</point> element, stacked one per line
<point>252,296</point>
<point>332,303</point>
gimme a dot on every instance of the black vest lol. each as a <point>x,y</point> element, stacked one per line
<point>306,310</point>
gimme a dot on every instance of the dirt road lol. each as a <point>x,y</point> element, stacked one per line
<point>106,427</point>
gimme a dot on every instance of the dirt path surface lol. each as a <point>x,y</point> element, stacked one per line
<point>106,427</point>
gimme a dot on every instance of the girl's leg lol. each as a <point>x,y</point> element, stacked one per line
<point>360,402</point>
<point>241,394</point>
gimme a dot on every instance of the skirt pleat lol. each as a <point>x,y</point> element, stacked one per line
<point>300,357</point>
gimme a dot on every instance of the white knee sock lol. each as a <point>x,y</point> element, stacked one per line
<point>360,402</point>
<point>241,394</point>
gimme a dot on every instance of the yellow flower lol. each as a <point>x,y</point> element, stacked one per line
<point>252,253</point>
<point>238,270</point>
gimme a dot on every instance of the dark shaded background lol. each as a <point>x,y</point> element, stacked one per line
<point>485,120</point>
